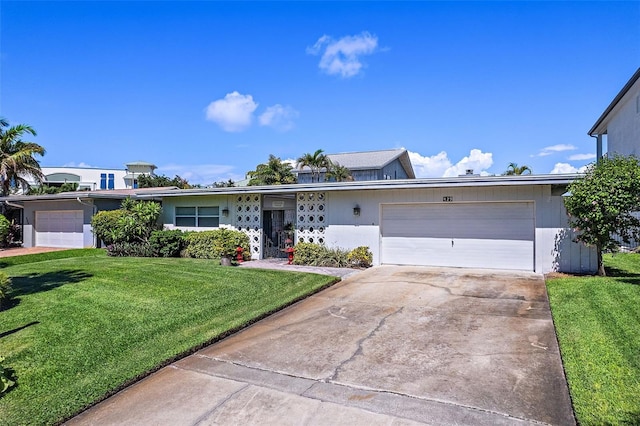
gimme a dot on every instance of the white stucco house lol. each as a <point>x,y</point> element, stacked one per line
<point>620,121</point>
<point>94,178</point>
<point>500,222</point>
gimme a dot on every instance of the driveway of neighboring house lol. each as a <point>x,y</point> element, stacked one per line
<point>390,345</point>
<point>19,251</point>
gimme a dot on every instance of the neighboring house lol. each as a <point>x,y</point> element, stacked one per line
<point>620,122</point>
<point>369,165</point>
<point>64,220</point>
<point>92,178</point>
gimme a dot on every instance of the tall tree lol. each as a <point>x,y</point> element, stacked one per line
<point>17,160</point>
<point>273,172</point>
<point>316,162</point>
<point>339,173</point>
<point>514,169</point>
<point>155,181</point>
<point>600,205</point>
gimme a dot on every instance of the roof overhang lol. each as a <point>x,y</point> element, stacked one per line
<point>471,181</point>
<point>91,195</point>
<point>600,127</point>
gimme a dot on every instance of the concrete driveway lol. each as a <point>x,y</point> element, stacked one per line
<point>391,345</point>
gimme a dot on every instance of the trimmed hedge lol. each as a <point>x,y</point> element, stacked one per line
<point>216,243</point>
<point>167,243</point>
<point>312,254</point>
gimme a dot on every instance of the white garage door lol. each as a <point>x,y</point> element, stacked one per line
<point>59,229</point>
<point>474,235</point>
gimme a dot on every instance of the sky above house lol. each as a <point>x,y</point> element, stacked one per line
<point>207,90</point>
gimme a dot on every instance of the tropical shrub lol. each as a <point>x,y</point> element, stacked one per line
<point>5,288</point>
<point>167,243</point>
<point>5,229</point>
<point>7,377</point>
<point>15,234</point>
<point>132,223</point>
<point>140,221</point>
<point>105,225</point>
<point>360,257</point>
<point>216,243</point>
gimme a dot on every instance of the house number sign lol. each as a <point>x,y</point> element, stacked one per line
<point>447,199</point>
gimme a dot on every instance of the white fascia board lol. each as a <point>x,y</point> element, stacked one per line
<point>377,185</point>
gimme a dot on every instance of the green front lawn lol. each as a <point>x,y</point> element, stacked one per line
<point>598,324</point>
<point>83,326</point>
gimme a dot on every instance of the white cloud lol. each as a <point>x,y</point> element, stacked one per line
<point>203,174</point>
<point>440,165</point>
<point>343,57</point>
<point>80,164</point>
<point>561,168</point>
<point>234,113</point>
<point>548,150</point>
<point>291,161</point>
<point>477,161</point>
<point>581,157</point>
<point>279,117</point>
<point>433,166</point>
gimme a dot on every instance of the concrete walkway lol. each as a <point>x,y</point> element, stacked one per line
<point>389,346</point>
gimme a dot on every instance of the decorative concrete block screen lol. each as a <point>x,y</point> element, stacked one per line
<point>248,220</point>
<point>311,211</point>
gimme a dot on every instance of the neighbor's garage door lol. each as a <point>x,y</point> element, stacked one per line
<point>477,235</point>
<point>59,229</point>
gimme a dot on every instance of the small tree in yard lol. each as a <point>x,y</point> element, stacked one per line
<point>602,202</point>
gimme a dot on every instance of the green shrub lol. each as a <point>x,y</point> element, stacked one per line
<point>136,249</point>
<point>7,377</point>
<point>105,225</point>
<point>167,243</point>
<point>5,288</point>
<point>216,243</point>
<point>5,228</point>
<point>307,253</point>
<point>360,257</point>
<point>133,222</point>
<point>318,255</point>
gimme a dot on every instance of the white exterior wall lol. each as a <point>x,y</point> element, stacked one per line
<point>554,249</point>
<point>89,177</point>
<point>623,129</point>
<point>28,231</point>
<point>553,246</point>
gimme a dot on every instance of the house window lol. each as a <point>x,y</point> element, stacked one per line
<point>200,217</point>
<point>103,181</point>
<point>111,184</point>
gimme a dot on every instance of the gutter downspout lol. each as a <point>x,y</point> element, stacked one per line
<point>95,210</point>
<point>598,147</point>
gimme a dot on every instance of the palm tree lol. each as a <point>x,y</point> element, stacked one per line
<point>316,162</point>
<point>273,172</point>
<point>514,169</point>
<point>17,157</point>
<point>339,173</point>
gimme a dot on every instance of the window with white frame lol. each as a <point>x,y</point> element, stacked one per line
<point>199,217</point>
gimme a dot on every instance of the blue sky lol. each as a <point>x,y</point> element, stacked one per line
<point>208,90</point>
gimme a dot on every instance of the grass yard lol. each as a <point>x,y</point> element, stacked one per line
<point>598,324</point>
<point>84,324</point>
